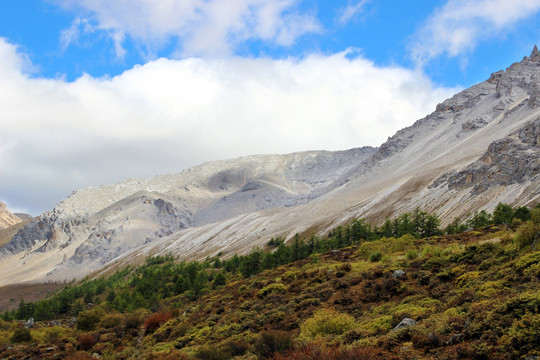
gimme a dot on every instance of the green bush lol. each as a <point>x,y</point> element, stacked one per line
<point>272,288</point>
<point>527,234</point>
<point>375,256</point>
<point>524,335</point>
<point>326,322</point>
<point>208,352</point>
<point>411,254</point>
<point>272,342</point>
<point>21,335</point>
<point>88,319</point>
<point>111,321</point>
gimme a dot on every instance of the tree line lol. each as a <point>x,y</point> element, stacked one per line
<point>162,277</point>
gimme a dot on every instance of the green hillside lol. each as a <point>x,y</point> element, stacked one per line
<point>472,295</point>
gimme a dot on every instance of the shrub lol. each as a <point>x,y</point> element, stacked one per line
<point>272,288</point>
<point>87,320</point>
<point>52,334</point>
<point>154,321</point>
<point>111,321</point>
<point>375,256</point>
<point>406,242</point>
<point>316,351</point>
<point>411,254</point>
<point>524,335</point>
<point>135,320</point>
<point>86,341</point>
<point>326,322</point>
<point>80,355</point>
<point>527,234</point>
<point>236,347</point>
<point>535,215</point>
<point>208,352</point>
<point>273,341</point>
<point>21,335</point>
<point>427,341</point>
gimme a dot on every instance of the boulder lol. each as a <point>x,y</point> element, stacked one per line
<point>405,323</point>
<point>398,274</point>
<point>29,323</point>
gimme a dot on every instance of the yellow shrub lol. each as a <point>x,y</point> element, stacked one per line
<point>467,278</point>
<point>111,321</point>
<point>4,337</point>
<point>51,334</point>
<point>369,247</point>
<point>326,322</point>
<point>406,242</point>
<point>491,288</point>
<point>272,288</point>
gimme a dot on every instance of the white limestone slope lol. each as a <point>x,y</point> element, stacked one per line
<point>480,147</point>
<point>95,226</point>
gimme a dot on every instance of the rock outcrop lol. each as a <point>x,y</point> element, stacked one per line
<point>512,160</point>
<point>6,217</point>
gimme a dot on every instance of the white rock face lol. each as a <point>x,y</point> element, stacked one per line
<point>96,226</point>
<point>480,147</point>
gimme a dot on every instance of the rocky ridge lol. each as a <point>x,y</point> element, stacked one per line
<point>95,226</point>
<point>477,148</point>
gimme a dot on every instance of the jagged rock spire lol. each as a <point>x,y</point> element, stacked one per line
<point>535,55</point>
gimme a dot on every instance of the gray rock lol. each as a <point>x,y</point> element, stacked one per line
<point>73,322</point>
<point>405,323</point>
<point>507,161</point>
<point>54,323</point>
<point>454,339</point>
<point>29,323</point>
<point>398,274</point>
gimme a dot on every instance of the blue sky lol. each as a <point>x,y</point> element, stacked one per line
<point>96,91</point>
<point>382,31</point>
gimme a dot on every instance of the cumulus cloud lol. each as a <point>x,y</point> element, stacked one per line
<point>457,27</point>
<point>201,27</point>
<point>168,115</point>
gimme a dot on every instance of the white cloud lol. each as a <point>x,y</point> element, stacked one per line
<point>201,27</point>
<point>457,27</point>
<point>351,11</point>
<point>167,115</point>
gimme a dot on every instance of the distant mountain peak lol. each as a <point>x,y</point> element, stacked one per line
<point>7,218</point>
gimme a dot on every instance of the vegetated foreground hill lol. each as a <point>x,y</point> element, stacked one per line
<point>469,295</point>
<point>478,148</point>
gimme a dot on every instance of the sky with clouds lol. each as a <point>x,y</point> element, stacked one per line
<point>96,91</point>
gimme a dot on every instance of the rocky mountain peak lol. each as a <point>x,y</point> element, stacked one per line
<point>535,55</point>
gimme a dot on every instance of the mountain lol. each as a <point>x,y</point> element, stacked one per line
<point>6,217</point>
<point>478,148</point>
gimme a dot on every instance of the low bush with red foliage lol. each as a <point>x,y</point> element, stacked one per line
<point>154,321</point>
<point>86,341</point>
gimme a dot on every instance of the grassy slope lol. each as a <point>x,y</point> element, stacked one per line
<point>474,295</point>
